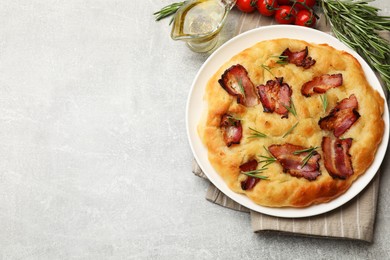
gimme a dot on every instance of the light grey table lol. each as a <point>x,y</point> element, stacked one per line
<point>95,162</point>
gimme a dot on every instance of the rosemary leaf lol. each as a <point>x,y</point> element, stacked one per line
<point>292,109</point>
<point>311,151</point>
<point>239,81</point>
<point>267,68</point>
<point>281,62</point>
<point>282,59</point>
<point>269,153</point>
<point>255,174</point>
<point>307,158</point>
<point>168,10</point>
<point>290,130</point>
<point>267,159</point>
<point>233,119</point>
<point>324,100</point>
<point>256,134</point>
<point>305,150</point>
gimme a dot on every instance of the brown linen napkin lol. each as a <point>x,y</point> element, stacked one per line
<point>353,220</point>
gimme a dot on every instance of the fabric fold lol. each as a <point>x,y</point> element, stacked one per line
<point>353,220</point>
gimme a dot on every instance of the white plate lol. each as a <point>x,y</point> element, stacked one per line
<point>196,104</point>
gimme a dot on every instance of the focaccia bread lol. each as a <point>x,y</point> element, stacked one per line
<point>290,123</point>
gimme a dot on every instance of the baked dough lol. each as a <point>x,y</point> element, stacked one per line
<point>282,189</point>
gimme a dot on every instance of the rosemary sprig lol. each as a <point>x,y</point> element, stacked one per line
<point>256,134</point>
<point>307,158</point>
<point>267,159</point>
<point>356,23</point>
<point>255,173</point>
<point>268,152</point>
<point>233,119</point>
<point>239,82</point>
<point>324,100</point>
<point>305,150</point>
<point>267,68</point>
<point>168,10</point>
<point>290,130</point>
<point>292,109</point>
<point>311,151</point>
<point>282,59</point>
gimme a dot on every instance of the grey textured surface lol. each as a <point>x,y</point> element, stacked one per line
<point>95,162</point>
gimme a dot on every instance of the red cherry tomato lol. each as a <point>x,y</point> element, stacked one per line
<point>306,4</point>
<point>267,7</point>
<point>285,14</point>
<point>283,2</point>
<point>245,6</point>
<point>305,18</point>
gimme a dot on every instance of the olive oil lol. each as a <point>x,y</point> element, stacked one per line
<point>199,22</point>
<point>202,17</point>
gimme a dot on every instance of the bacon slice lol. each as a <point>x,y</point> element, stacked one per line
<point>249,182</point>
<point>341,117</point>
<point>299,58</point>
<point>275,96</point>
<point>236,82</point>
<point>293,163</point>
<point>321,84</point>
<point>337,159</point>
<point>232,129</point>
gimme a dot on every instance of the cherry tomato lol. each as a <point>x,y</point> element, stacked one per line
<point>306,4</point>
<point>285,14</point>
<point>305,18</point>
<point>245,6</point>
<point>283,2</point>
<point>267,7</point>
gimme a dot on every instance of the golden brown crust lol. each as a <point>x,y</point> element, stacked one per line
<point>282,189</point>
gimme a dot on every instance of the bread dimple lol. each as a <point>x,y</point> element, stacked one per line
<point>282,189</point>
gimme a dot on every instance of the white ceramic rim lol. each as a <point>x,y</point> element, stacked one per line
<point>196,104</point>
